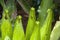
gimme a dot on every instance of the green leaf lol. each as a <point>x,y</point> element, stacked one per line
<point>55,34</point>
<point>45,5</point>
<point>36,32</point>
<point>0,38</point>
<point>18,33</point>
<point>46,28</point>
<point>30,24</point>
<point>2,2</point>
<point>6,26</point>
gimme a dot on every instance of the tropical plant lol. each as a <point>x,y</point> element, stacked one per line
<point>11,26</point>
